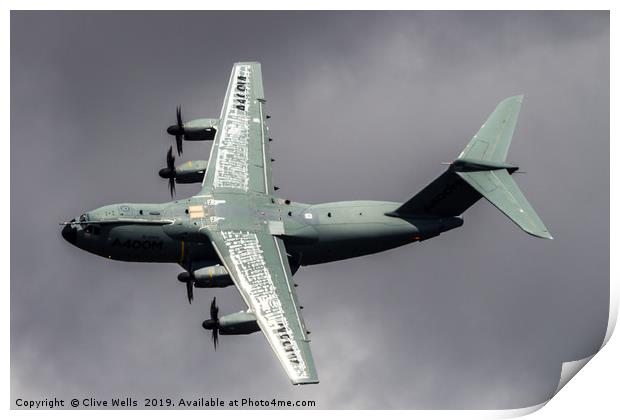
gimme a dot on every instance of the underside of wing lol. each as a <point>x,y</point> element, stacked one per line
<point>240,159</point>
<point>259,268</point>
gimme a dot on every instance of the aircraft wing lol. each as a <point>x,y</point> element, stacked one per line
<point>258,265</point>
<point>240,159</point>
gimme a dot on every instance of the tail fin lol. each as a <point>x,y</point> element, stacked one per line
<point>481,171</point>
<point>492,141</point>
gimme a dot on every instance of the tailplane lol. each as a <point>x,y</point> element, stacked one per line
<point>480,171</point>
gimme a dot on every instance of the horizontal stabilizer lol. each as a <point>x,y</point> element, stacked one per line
<point>501,190</point>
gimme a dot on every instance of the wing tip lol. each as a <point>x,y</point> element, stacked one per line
<point>311,379</point>
<point>306,381</point>
<point>246,63</point>
<point>543,234</point>
<point>515,98</point>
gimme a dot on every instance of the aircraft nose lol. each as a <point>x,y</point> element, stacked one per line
<point>70,234</point>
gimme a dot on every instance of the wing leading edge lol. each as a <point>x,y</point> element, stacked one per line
<point>258,265</point>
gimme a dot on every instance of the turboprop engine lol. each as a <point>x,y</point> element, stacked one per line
<point>239,323</point>
<point>189,172</point>
<point>206,277</point>
<point>213,276</point>
<point>194,130</point>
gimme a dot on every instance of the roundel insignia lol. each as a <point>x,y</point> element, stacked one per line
<point>124,208</point>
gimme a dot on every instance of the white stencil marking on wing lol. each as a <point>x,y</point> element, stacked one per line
<point>247,257</point>
<point>231,167</point>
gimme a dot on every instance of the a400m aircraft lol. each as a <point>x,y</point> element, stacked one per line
<point>236,231</point>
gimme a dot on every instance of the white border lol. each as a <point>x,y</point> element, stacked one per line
<point>593,394</point>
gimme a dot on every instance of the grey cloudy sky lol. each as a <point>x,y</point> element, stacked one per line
<point>364,106</point>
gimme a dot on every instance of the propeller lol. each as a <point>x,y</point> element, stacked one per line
<point>189,285</point>
<point>188,278</point>
<point>169,171</point>
<point>213,324</point>
<point>178,131</point>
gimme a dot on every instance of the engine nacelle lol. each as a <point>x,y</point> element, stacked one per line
<point>200,129</point>
<point>188,173</point>
<point>207,277</point>
<point>191,172</point>
<point>239,323</point>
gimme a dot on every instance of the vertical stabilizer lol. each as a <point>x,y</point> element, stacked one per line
<point>492,141</point>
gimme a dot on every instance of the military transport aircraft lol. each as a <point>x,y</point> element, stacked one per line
<point>236,231</point>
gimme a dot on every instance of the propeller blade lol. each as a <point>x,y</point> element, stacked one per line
<point>170,159</point>
<point>179,139</point>
<point>214,311</point>
<point>171,186</point>
<point>190,290</point>
<point>179,119</point>
<point>178,131</point>
<point>169,171</point>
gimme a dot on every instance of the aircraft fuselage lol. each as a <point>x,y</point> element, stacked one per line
<point>313,234</point>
